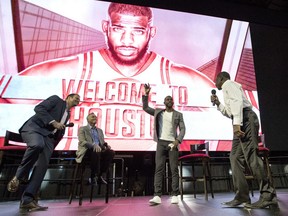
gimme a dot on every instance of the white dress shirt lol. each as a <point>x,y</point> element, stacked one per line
<point>235,101</point>
<point>63,119</point>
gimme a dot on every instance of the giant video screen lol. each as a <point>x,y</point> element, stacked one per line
<point>106,54</point>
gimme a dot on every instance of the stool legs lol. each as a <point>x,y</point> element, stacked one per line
<point>206,176</point>
<point>73,183</point>
<point>210,179</point>
<point>81,184</point>
<point>194,181</point>
<point>205,179</point>
<point>79,170</point>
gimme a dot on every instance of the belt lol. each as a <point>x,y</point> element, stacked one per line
<point>246,109</point>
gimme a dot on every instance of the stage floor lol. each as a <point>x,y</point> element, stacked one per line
<point>139,206</point>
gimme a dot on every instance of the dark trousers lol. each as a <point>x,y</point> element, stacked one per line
<point>99,161</point>
<point>245,151</point>
<point>38,154</point>
<point>161,154</point>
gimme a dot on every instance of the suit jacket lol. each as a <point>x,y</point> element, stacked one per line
<point>84,138</point>
<point>177,119</point>
<point>48,110</point>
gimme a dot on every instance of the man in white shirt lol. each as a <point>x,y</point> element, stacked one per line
<point>245,144</point>
<point>166,123</point>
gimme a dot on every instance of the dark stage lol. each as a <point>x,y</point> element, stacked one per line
<point>125,172</point>
<point>139,206</point>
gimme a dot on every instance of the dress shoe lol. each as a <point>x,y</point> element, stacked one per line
<point>262,203</point>
<point>13,185</point>
<point>32,206</point>
<point>155,201</point>
<point>101,180</point>
<point>235,202</point>
<point>92,181</point>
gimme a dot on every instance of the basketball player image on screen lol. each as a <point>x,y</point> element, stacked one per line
<point>110,80</point>
<point>128,33</point>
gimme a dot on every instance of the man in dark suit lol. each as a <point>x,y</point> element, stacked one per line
<point>91,142</point>
<point>42,132</point>
<point>166,123</point>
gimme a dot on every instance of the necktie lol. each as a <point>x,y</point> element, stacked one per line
<point>95,136</point>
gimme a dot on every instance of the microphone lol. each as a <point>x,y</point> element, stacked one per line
<point>71,124</point>
<point>104,146</point>
<point>170,147</point>
<point>213,92</point>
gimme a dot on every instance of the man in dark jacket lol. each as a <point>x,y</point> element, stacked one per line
<point>42,132</point>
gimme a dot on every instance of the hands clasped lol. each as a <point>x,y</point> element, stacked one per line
<point>97,148</point>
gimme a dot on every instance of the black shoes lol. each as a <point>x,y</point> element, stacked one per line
<point>262,203</point>
<point>97,181</point>
<point>14,183</point>
<point>234,202</point>
<point>32,206</point>
<point>92,181</point>
<point>101,180</point>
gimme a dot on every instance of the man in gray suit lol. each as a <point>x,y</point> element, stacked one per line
<point>91,142</point>
<point>166,123</point>
<point>42,132</point>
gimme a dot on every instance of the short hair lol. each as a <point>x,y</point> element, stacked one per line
<point>134,10</point>
<point>167,97</point>
<point>71,95</point>
<point>90,114</point>
<point>224,74</point>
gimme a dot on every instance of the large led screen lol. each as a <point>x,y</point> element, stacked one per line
<point>74,46</point>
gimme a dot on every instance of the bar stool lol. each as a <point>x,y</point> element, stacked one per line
<point>263,152</point>
<point>199,155</point>
<point>78,178</point>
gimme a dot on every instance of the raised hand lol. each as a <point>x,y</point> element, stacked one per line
<point>147,88</point>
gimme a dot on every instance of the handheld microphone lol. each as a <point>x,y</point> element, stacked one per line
<point>71,124</point>
<point>104,146</point>
<point>170,147</point>
<point>213,92</point>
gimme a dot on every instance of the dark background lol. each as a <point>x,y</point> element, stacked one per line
<point>269,34</point>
